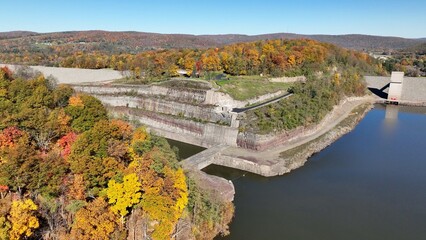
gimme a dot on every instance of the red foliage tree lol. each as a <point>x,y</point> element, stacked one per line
<point>9,136</point>
<point>66,142</point>
<point>3,190</point>
<point>7,73</point>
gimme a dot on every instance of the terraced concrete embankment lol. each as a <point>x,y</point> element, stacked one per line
<point>181,114</point>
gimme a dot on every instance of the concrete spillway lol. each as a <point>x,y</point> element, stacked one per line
<point>412,92</point>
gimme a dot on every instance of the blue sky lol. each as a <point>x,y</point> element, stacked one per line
<point>404,18</point>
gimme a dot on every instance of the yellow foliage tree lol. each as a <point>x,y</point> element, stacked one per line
<point>124,195</point>
<point>189,65</point>
<point>140,135</point>
<point>182,191</point>
<point>23,219</point>
<point>292,60</point>
<point>165,203</point>
<point>336,79</point>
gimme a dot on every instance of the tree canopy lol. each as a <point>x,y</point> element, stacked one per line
<point>69,172</point>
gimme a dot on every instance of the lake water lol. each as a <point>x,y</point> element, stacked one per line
<point>370,184</point>
<point>185,149</point>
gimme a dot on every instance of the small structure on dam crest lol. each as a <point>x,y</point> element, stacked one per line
<point>395,88</point>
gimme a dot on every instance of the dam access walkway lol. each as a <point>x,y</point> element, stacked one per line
<point>204,158</point>
<point>274,100</point>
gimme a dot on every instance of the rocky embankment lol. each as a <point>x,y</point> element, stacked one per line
<point>297,157</point>
<point>284,156</point>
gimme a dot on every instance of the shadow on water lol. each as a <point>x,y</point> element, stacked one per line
<point>370,184</point>
<point>184,150</point>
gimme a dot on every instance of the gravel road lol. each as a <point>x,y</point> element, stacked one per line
<point>75,75</point>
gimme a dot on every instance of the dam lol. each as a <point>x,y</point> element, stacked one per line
<point>205,117</point>
<point>198,114</point>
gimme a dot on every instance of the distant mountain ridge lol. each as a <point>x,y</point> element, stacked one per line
<point>16,34</point>
<point>352,41</point>
<point>420,48</point>
<point>141,41</point>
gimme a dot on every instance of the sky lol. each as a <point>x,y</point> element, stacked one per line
<point>402,18</point>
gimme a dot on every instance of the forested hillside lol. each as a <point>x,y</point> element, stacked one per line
<point>67,171</point>
<point>271,57</point>
<point>50,48</point>
<point>134,42</point>
<point>411,61</point>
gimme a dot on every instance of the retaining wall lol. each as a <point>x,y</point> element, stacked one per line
<point>197,112</point>
<point>197,133</point>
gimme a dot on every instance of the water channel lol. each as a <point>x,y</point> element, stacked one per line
<point>370,184</point>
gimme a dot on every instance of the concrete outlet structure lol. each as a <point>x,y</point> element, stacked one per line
<point>395,88</point>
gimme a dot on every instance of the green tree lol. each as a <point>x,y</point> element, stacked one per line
<point>5,227</point>
<point>85,115</point>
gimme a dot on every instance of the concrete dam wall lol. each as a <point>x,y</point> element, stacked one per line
<point>201,113</point>
<point>169,126</point>
<point>185,115</point>
<point>413,89</point>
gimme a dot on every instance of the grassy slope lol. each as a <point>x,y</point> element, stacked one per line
<point>243,88</point>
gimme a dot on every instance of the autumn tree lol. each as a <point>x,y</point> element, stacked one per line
<point>77,188</point>
<point>85,111</point>
<point>51,209</point>
<point>124,195</point>
<point>94,221</point>
<point>51,174</point>
<point>65,143</point>
<point>92,156</point>
<point>61,95</point>
<point>163,183</point>
<point>211,60</point>
<point>6,73</point>
<point>5,227</point>
<point>23,219</point>
<point>3,190</point>
<point>17,159</point>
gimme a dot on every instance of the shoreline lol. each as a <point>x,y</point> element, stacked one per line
<point>293,157</point>
<point>294,153</point>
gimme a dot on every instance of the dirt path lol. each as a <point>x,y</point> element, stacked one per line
<point>272,155</point>
<point>274,100</point>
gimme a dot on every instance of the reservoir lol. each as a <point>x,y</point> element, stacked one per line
<point>370,184</point>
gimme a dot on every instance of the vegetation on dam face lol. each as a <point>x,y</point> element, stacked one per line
<point>309,104</point>
<point>69,172</point>
<point>243,88</point>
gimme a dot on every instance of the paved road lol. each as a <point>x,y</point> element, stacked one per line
<point>240,110</point>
